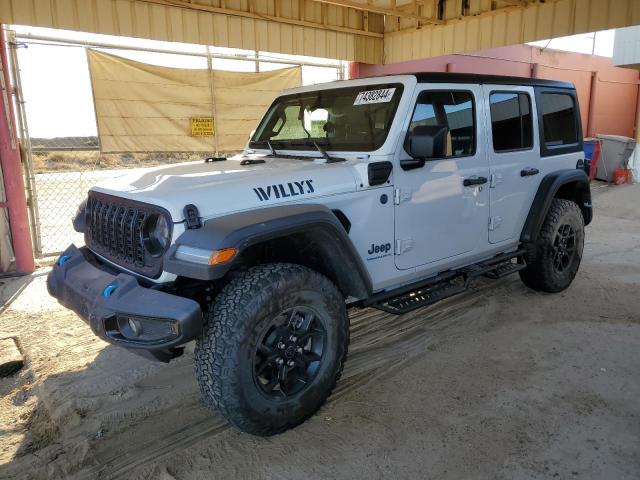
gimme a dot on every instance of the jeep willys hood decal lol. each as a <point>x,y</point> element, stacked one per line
<point>218,188</point>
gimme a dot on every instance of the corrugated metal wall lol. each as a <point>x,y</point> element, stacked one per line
<point>304,27</point>
<point>608,95</point>
<point>319,28</point>
<point>509,26</point>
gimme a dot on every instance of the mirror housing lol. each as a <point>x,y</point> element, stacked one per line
<point>423,143</point>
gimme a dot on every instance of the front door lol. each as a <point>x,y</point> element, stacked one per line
<point>514,158</point>
<point>442,208</point>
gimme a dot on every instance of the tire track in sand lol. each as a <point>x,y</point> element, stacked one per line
<point>380,343</point>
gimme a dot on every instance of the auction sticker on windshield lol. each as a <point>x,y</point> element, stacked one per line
<point>383,95</point>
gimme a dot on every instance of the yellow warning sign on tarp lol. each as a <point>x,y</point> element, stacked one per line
<point>202,127</point>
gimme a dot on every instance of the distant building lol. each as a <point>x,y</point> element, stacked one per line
<point>608,94</point>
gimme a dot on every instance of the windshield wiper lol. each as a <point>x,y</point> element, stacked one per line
<point>328,158</point>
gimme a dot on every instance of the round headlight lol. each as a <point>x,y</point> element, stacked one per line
<point>156,234</point>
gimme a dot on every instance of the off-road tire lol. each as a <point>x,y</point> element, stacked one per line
<point>224,354</point>
<point>540,273</point>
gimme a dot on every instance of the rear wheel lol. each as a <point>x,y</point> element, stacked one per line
<point>558,249</point>
<point>273,346</point>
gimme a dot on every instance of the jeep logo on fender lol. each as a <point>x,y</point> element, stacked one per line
<point>284,190</point>
<point>384,248</point>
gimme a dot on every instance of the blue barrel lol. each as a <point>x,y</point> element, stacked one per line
<point>589,146</point>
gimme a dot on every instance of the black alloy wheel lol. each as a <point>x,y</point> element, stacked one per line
<point>290,352</point>
<point>564,248</point>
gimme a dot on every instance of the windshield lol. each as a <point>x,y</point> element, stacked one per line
<point>347,119</point>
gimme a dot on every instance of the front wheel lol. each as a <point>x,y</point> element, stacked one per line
<point>558,249</point>
<point>273,346</point>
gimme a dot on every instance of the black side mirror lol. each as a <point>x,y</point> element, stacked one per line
<point>424,142</point>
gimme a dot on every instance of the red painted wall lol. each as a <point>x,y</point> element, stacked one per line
<point>608,95</point>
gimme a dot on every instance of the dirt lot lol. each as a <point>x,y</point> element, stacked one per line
<point>76,161</point>
<point>500,382</point>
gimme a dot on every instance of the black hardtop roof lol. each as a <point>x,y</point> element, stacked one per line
<point>442,77</point>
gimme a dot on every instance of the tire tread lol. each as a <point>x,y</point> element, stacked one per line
<point>225,327</point>
<point>539,275</point>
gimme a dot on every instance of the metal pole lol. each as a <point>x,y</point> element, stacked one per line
<point>591,114</point>
<point>638,120</point>
<point>213,99</point>
<point>257,56</point>
<point>25,143</point>
<point>115,46</point>
<point>13,175</point>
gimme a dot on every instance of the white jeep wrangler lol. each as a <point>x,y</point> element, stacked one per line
<point>392,192</point>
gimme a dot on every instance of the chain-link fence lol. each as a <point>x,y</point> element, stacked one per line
<point>62,178</point>
<point>61,169</point>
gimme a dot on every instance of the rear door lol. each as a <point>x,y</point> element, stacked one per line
<point>514,158</point>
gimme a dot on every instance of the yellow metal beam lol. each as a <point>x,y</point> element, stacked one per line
<point>257,16</point>
<point>510,26</point>
<point>393,11</point>
<point>369,31</point>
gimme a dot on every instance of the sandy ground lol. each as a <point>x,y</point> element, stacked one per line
<point>500,382</point>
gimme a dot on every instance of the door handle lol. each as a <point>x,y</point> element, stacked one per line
<point>468,182</point>
<point>527,172</point>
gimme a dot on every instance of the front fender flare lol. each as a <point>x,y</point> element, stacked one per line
<point>245,229</point>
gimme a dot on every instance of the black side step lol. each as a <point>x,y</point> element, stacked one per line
<point>444,285</point>
<point>505,269</point>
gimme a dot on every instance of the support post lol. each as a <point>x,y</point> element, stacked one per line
<point>638,118</point>
<point>12,172</point>
<point>591,115</point>
<point>213,99</point>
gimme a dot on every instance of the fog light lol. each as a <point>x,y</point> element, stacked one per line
<point>136,328</point>
<point>142,329</point>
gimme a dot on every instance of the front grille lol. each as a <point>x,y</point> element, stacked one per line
<point>115,230</point>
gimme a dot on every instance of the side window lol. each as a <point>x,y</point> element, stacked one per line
<point>511,122</point>
<point>558,119</point>
<point>453,110</point>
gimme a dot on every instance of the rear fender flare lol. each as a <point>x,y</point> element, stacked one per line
<point>570,184</point>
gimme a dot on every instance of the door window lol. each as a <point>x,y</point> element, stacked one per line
<point>453,110</point>
<point>511,122</point>
<point>559,119</point>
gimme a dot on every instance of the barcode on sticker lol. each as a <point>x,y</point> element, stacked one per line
<point>383,95</point>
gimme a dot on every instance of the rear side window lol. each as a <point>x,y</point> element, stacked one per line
<point>558,119</point>
<point>511,122</point>
<point>453,110</point>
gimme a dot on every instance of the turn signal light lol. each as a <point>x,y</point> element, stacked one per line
<point>219,257</point>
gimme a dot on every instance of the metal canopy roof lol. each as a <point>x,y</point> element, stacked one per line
<point>371,31</point>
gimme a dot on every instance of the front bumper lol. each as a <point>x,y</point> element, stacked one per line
<point>121,311</point>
